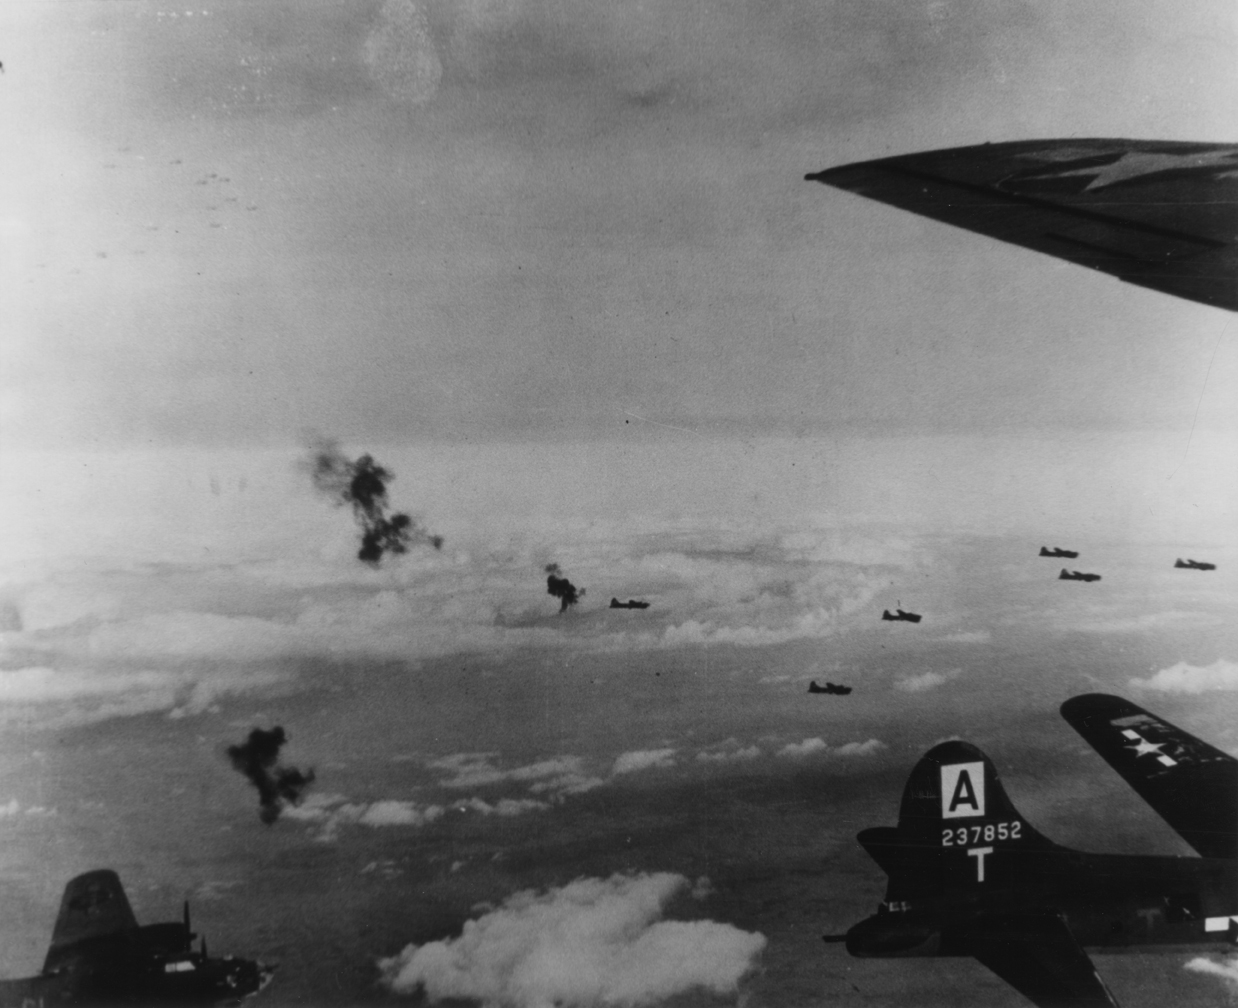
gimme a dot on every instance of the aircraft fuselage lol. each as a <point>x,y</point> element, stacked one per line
<point>1110,902</point>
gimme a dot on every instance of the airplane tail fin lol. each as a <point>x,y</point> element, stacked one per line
<point>93,905</point>
<point>958,832</point>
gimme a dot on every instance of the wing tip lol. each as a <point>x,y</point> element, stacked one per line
<point>1086,705</point>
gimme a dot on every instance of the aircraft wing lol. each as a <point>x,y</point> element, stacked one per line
<point>1158,214</point>
<point>94,905</point>
<point>1038,956</point>
<point>1191,785</point>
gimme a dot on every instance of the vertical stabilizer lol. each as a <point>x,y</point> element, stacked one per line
<point>958,833</point>
<point>94,905</point>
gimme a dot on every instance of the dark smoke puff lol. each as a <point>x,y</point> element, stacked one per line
<point>368,488</point>
<point>561,588</point>
<point>258,759</point>
<point>363,485</point>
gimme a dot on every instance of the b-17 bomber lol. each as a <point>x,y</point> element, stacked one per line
<point>1194,564</point>
<point>906,617</point>
<point>100,956</point>
<point>629,604</point>
<point>969,876</point>
<point>829,687</point>
<point>1077,576</point>
<point>1057,551</point>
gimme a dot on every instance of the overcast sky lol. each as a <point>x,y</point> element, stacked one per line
<point>228,220</point>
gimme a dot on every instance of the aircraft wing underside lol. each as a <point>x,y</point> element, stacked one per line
<point>1158,214</point>
<point>1190,784</point>
<point>1037,955</point>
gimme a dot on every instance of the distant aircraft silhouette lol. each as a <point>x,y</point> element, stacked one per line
<point>1057,551</point>
<point>1077,576</point>
<point>829,687</point>
<point>1194,565</point>
<point>907,617</point>
<point>629,604</point>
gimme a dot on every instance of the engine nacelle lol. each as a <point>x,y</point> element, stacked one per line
<point>890,935</point>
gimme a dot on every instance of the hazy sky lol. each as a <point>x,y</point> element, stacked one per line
<point>227,221</point>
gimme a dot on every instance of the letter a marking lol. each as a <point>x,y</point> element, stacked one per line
<point>962,790</point>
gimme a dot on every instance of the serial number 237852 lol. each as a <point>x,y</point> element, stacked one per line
<point>993,831</point>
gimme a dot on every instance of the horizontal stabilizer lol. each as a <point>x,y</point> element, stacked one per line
<point>1158,214</point>
<point>1037,955</point>
<point>1190,784</point>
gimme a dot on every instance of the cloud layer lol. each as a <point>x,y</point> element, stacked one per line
<point>593,941</point>
<point>1222,674</point>
<point>136,638</point>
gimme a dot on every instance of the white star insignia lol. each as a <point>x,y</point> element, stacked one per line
<point>1132,164</point>
<point>1146,748</point>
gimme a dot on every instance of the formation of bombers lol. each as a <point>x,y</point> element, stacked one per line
<point>968,875</point>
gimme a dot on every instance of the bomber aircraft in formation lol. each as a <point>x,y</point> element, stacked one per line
<point>1077,576</point>
<point>629,604</point>
<point>1057,551</point>
<point>969,876</point>
<point>100,956</point>
<point>829,687</point>
<point>1194,564</point>
<point>907,617</point>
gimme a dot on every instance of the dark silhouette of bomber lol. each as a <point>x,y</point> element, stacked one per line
<point>629,604</point>
<point>907,617</point>
<point>100,956</point>
<point>829,687</point>
<point>1194,564</point>
<point>1057,551</point>
<point>969,876</point>
<point>1077,576</point>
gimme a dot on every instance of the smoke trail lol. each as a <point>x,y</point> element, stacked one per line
<point>363,485</point>
<point>258,759</point>
<point>561,588</point>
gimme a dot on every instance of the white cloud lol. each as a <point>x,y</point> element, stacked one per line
<point>391,812</point>
<point>593,941</point>
<point>796,750</point>
<point>643,759</point>
<point>46,696</point>
<point>1227,970</point>
<point>926,680</point>
<point>504,806</point>
<point>568,784</point>
<point>557,777</point>
<point>860,748</point>
<point>811,746</point>
<point>1184,678</point>
<point>330,812</point>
